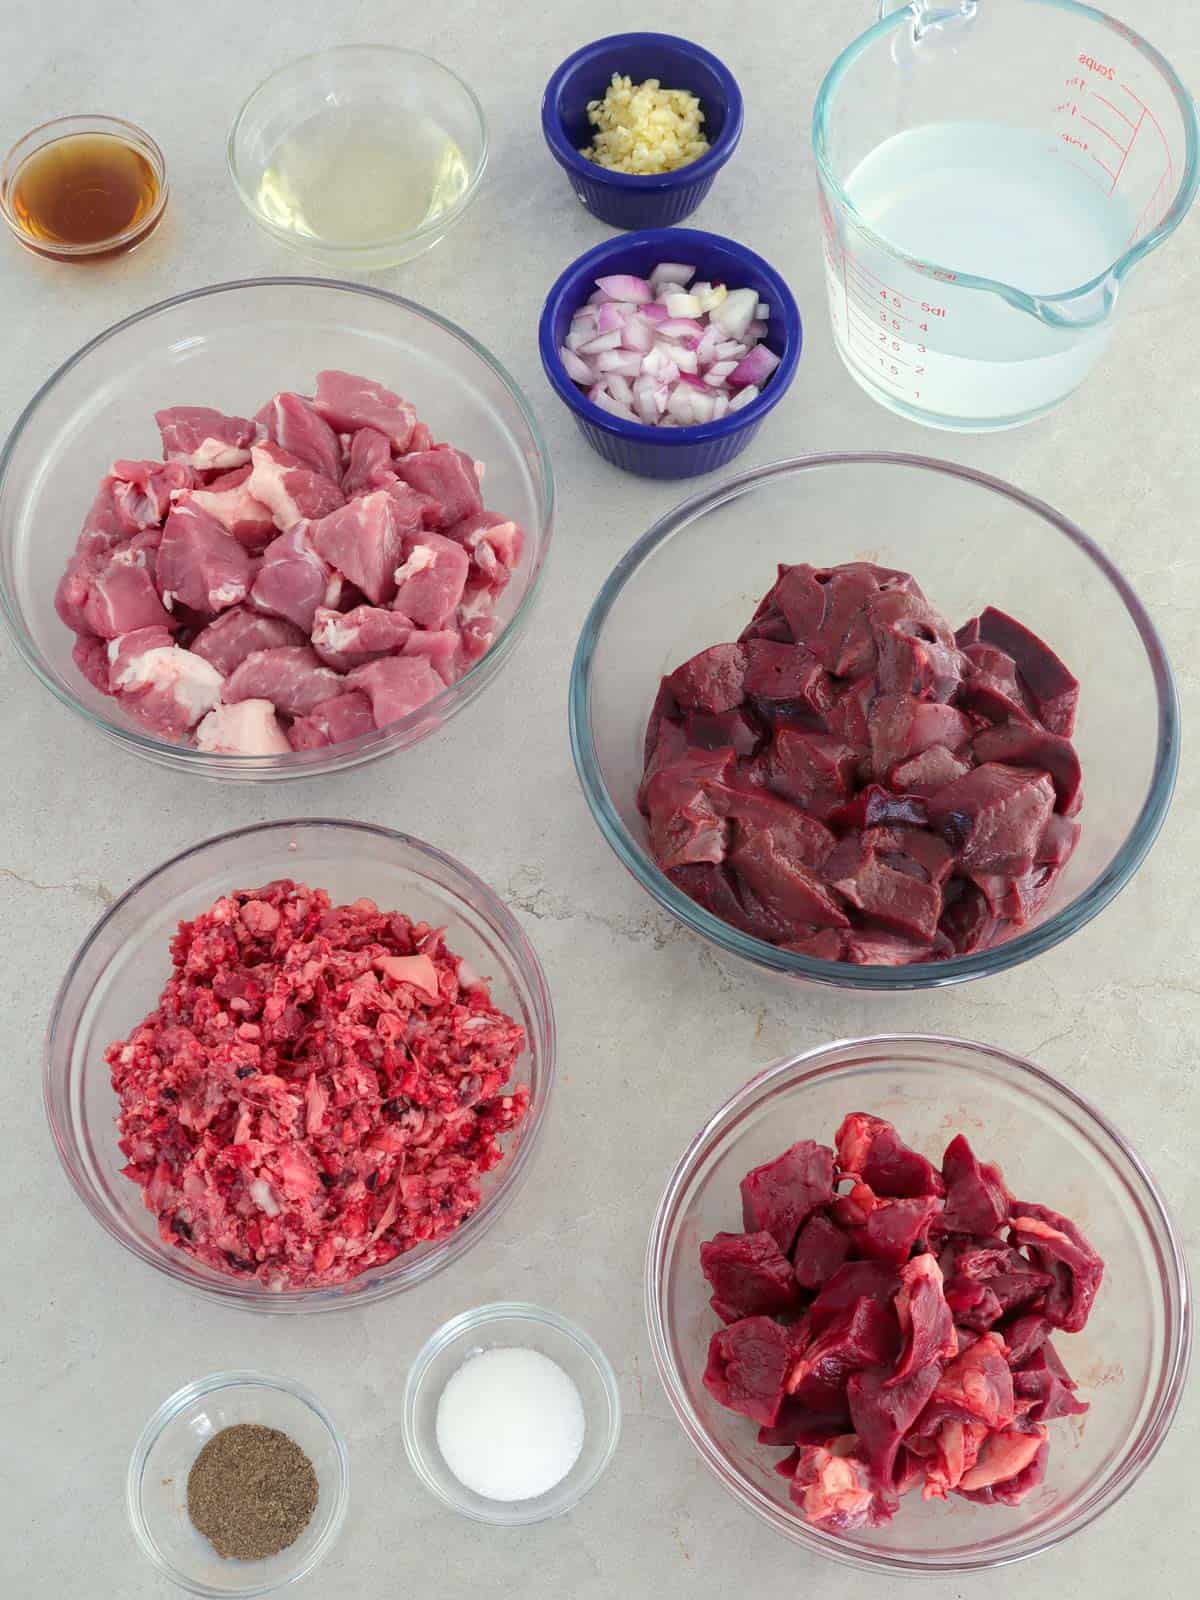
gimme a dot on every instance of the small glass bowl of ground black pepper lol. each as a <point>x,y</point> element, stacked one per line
<point>258,1464</point>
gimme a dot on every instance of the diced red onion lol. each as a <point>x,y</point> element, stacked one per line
<point>577,370</point>
<point>653,352</point>
<point>671,272</point>
<point>623,286</point>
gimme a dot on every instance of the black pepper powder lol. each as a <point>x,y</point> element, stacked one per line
<point>251,1492</point>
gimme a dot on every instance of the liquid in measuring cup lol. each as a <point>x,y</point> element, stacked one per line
<point>355,176</point>
<point>987,200</point>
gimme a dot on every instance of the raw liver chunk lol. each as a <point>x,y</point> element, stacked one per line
<point>848,704</point>
<point>779,1195</point>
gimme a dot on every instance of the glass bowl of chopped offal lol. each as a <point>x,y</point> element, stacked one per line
<point>641,199</point>
<point>156,1486</point>
<point>1129,1361</point>
<point>115,982</point>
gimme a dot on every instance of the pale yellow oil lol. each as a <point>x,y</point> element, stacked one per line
<point>357,176</point>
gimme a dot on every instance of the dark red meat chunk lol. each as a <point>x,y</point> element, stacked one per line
<point>747,1367</point>
<point>848,706</point>
<point>820,1249</point>
<point>922,1360</point>
<point>872,1150</point>
<point>780,1194</point>
<point>750,1276</point>
<point>1058,1247</point>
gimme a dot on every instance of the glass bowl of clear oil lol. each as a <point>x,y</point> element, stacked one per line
<point>361,157</point>
<point>83,188</point>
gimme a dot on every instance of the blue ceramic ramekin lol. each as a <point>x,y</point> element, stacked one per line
<point>671,452</point>
<point>619,198</point>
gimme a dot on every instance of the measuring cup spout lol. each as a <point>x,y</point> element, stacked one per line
<point>1082,308</point>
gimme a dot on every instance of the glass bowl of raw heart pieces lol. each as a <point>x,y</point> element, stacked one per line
<point>918,1305</point>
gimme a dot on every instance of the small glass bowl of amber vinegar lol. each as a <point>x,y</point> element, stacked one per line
<point>83,187</point>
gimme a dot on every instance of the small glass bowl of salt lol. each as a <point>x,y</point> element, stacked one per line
<point>511,1413</point>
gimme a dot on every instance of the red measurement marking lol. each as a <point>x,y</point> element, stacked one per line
<point>1116,177</point>
<point>1114,108</point>
<point>1104,131</point>
<point>1106,168</point>
<point>1088,173</point>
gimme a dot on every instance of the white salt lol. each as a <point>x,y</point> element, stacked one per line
<point>510,1424</point>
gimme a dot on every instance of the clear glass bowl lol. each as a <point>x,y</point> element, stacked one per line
<point>1130,1361</point>
<point>509,1323</point>
<point>232,346</point>
<point>119,971</point>
<point>970,540</point>
<point>156,1485</point>
<point>353,89</point>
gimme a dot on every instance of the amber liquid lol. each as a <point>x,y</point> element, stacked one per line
<point>84,190</point>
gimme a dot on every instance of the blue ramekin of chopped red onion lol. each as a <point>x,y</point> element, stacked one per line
<point>669,347</point>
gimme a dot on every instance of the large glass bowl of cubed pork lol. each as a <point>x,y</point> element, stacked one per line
<point>273,528</point>
<point>904,1369</point>
<point>874,721</point>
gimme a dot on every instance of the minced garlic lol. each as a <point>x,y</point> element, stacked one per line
<point>644,128</point>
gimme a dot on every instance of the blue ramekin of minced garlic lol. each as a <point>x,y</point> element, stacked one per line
<point>641,123</point>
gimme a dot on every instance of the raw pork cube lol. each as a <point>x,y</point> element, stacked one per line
<point>779,1195</point>
<point>370,463</point>
<point>164,686</point>
<point>347,402</point>
<point>121,598</point>
<point>431,580</point>
<point>294,425</point>
<point>290,490</point>
<point>493,542</point>
<point>362,540</point>
<point>199,564</point>
<point>249,728</point>
<point>441,647</point>
<point>90,655</point>
<point>346,716</point>
<point>395,686</point>
<point>229,500</point>
<point>448,476</point>
<point>345,639</point>
<point>749,1275</point>
<point>293,580</point>
<point>291,678</point>
<point>205,439</point>
<point>238,632</point>
<point>142,490</point>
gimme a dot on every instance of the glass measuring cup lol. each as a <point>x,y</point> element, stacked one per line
<point>989,174</point>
